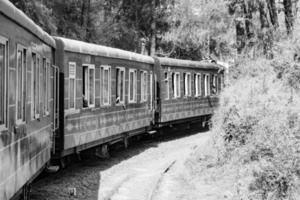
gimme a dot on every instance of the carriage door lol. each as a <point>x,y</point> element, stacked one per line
<point>56,97</point>
<point>55,105</point>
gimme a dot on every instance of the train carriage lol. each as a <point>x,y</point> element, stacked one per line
<point>107,95</point>
<point>188,90</point>
<point>26,100</point>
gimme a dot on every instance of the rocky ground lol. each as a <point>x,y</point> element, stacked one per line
<point>151,169</point>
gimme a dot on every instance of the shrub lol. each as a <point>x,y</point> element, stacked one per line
<point>257,127</point>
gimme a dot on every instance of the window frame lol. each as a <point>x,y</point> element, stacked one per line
<point>102,69</point>
<point>215,84</point>
<point>198,85</point>
<point>45,87</point>
<point>118,83</point>
<point>134,85</point>
<point>74,78</point>
<point>187,84</point>
<point>167,85</point>
<point>206,85</point>
<point>48,82</point>
<point>4,41</point>
<point>23,89</point>
<point>87,88</point>
<point>151,89</point>
<point>144,88</point>
<point>177,88</point>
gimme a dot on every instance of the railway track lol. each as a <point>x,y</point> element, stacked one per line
<point>141,172</point>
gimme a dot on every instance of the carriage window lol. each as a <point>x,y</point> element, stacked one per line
<point>144,89</point>
<point>88,85</point>
<point>21,84</point>
<point>219,84</point>
<point>35,85</point>
<point>92,86</point>
<point>3,81</point>
<point>167,96</point>
<point>206,85</point>
<point>120,85</point>
<point>176,84</point>
<point>105,85</point>
<point>132,85</point>
<point>48,86</point>
<point>72,84</point>
<point>214,85</point>
<point>151,89</point>
<point>187,84</point>
<point>44,87</point>
<point>198,85</point>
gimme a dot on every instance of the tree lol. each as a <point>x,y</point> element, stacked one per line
<point>266,36</point>
<point>199,29</point>
<point>289,18</point>
<point>273,13</point>
<point>39,12</point>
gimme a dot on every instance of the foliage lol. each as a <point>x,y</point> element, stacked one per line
<point>116,23</point>
<point>257,129</point>
<point>199,29</point>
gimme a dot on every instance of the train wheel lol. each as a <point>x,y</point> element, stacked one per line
<point>102,151</point>
<point>63,163</point>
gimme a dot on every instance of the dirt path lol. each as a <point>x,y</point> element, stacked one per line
<point>133,174</point>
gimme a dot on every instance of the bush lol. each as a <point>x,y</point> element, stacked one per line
<point>257,127</point>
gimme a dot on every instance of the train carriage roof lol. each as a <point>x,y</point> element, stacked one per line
<point>9,10</point>
<point>188,63</point>
<point>99,50</point>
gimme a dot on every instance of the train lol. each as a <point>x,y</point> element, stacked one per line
<point>59,97</point>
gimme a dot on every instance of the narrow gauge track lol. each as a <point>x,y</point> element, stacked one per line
<point>135,173</point>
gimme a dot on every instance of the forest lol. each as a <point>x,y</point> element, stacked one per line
<point>190,29</point>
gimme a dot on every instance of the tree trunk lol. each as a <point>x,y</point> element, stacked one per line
<point>88,21</point>
<point>240,34</point>
<point>295,8</point>
<point>153,29</point>
<point>273,13</point>
<point>267,36</point>
<point>289,18</point>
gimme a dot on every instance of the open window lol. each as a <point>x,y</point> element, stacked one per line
<point>187,84</point>
<point>48,87</point>
<point>132,85</point>
<point>198,85</point>
<point>21,84</point>
<point>72,85</point>
<point>45,86</point>
<point>144,88</point>
<point>35,86</point>
<point>105,85</point>
<point>206,85</point>
<point>214,88</point>
<point>3,81</point>
<point>176,84</point>
<point>88,85</point>
<point>151,90</point>
<point>166,84</point>
<point>120,85</point>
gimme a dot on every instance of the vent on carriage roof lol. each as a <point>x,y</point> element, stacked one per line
<point>72,70</point>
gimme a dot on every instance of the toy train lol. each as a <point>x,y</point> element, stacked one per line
<point>60,96</point>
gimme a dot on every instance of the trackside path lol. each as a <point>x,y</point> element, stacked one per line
<point>138,173</point>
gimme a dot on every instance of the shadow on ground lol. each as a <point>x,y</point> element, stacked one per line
<point>84,175</point>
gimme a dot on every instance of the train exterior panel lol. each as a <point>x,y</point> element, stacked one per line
<point>107,94</point>
<point>187,89</point>
<point>26,100</point>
